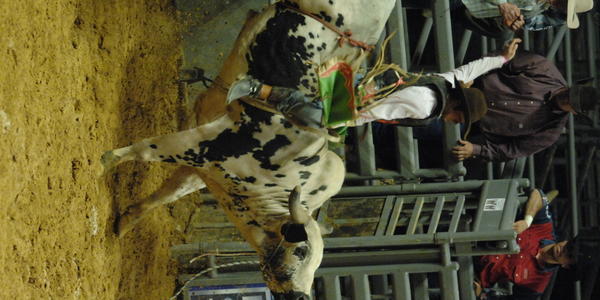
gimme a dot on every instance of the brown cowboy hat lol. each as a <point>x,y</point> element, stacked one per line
<point>472,103</point>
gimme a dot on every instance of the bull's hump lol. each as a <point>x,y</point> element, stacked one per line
<point>280,54</point>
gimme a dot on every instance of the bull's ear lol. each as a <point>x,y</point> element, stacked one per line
<point>294,233</point>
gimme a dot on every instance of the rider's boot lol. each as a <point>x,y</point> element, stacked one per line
<point>290,102</point>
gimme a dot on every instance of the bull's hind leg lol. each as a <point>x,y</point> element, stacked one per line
<point>176,147</point>
<point>184,181</point>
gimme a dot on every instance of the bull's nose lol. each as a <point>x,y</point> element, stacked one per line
<point>291,296</point>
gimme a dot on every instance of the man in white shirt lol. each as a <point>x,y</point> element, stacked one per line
<point>420,102</point>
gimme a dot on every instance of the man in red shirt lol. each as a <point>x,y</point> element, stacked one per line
<point>531,269</point>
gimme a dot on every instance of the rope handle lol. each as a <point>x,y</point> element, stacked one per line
<point>345,36</point>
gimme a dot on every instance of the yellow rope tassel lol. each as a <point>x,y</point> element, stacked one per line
<point>379,68</point>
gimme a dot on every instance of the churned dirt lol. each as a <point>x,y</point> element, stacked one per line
<point>79,77</point>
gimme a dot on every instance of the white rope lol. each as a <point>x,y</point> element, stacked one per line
<point>185,285</point>
<point>221,255</point>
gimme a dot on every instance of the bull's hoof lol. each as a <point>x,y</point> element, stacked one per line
<point>109,161</point>
<point>126,221</point>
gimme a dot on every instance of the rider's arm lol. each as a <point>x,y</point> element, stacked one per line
<point>474,69</point>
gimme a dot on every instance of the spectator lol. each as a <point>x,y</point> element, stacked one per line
<point>499,18</point>
<point>540,255</point>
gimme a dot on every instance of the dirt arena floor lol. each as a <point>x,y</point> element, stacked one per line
<point>80,77</point>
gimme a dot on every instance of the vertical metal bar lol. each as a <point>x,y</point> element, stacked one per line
<point>464,45</point>
<point>466,277</point>
<point>561,53</point>
<point>212,263</point>
<point>421,286</point>
<point>550,38</point>
<point>572,162</point>
<point>360,286</point>
<point>416,154</point>
<point>394,217</point>
<point>493,45</point>
<point>598,179</point>
<point>366,150</point>
<point>399,55</point>
<point>405,149</point>
<point>457,213</point>
<point>489,170</point>
<point>437,213</point>
<point>451,136</point>
<point>331,285</point>
<point>548,165</point>
<point>568,58</point>
<point>443,35</point>
<point>591,46</point>
<point>508,169</point>
<point>484,46</point>
<point>379,284</point>
<point>592,210</point>
<point>596,196</point>
<point>572,170</point>
<point>401,286</point>
<point>531,170</point>
<point>466,271</point>
<point>552,178</point>
<point>414,218</point>
<point>556,42</point>
<point>526,40</point>
<point>407,41</point>
<point>499,168</point>
<point>445,59</point>
<point>398,42</point>
<point>448,278</point>
<point>586,170</point>
<point>514,168</point>
<point>422,42</point>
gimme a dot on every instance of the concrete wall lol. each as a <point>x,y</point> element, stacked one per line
<point>210,28</point>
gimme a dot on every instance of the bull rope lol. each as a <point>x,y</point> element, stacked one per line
<point>345,36</point>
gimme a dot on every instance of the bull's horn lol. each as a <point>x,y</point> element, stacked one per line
<point>298,213</point>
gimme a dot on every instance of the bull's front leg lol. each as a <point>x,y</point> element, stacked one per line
<point>184,181</point>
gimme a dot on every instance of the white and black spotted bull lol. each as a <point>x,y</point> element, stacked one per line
<point>252,160</point>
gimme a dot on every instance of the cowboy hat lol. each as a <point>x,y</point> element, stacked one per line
<point>472,103</point>
<point>573,8</point>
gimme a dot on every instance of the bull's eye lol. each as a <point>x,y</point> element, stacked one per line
<point>300,252</point>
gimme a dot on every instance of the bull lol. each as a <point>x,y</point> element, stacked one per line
<point>268,175</point>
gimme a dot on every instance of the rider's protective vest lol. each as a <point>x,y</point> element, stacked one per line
<point>438,84</point>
